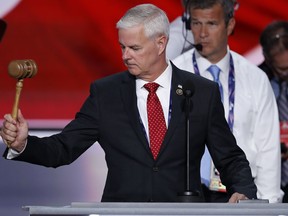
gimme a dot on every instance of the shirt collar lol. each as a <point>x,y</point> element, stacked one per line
<point>163,80</point>
<point>204,64</point>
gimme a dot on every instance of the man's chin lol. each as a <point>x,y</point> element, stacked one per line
<point>133,72</point>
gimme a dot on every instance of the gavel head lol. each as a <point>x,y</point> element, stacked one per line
<point>21,69</point>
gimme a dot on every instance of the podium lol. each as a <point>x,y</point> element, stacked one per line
<point>167,209</point>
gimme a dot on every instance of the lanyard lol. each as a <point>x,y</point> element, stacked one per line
<point>231,88</point>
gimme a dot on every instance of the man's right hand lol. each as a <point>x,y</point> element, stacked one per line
<point>14,132</point>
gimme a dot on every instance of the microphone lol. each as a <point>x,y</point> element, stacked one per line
<point>198,47</point>
<point>188,195</point>
<point>188,91</point>
<point>188,87</point>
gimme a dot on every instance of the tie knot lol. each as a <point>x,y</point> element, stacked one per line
<point>151,87</point>
<point>215,71</point>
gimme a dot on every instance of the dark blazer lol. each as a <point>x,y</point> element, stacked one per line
<point>110,116</point>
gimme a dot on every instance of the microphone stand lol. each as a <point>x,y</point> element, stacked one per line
<point>188,195</point>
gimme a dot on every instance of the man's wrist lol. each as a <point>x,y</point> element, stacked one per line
<point>12,153</point>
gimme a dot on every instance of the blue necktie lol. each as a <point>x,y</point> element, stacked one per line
<point>215,72</point>
<point>206,159</point>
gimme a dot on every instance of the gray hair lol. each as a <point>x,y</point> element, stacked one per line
<point>153,19</point>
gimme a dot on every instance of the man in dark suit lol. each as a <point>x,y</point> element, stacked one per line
<point>115,115</point>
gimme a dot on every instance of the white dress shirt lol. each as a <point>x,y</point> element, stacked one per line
<point>163,93</point>
<point>256,125</point>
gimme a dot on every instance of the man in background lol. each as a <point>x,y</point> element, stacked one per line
<point>247,96</point>
<point>274,42</point>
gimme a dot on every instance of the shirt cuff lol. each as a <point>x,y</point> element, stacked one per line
<point>13,153</point>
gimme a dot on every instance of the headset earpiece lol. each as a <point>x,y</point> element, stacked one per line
<point>186,20</point>
<point>188,23</point>
<point>185,17</point>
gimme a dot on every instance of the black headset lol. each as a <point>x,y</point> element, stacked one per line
<point>186,19</point>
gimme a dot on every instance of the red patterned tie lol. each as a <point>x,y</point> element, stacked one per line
<point>156,121</point>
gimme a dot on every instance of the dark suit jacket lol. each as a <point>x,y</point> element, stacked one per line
<point>110,116</point>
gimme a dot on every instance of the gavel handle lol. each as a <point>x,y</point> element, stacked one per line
<point>19,86</point>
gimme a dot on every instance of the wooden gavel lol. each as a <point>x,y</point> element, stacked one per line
<point>21,69</point>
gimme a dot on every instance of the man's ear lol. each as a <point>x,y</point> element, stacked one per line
<point>161,43</point>
<point>231,26</point>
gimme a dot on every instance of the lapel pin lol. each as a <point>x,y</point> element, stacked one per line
<point>179,90</point>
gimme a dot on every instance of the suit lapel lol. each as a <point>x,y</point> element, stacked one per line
<point>128,94</point>
<point>176,108</point>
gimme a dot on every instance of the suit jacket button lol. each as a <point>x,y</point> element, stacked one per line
<point>155,169</point>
